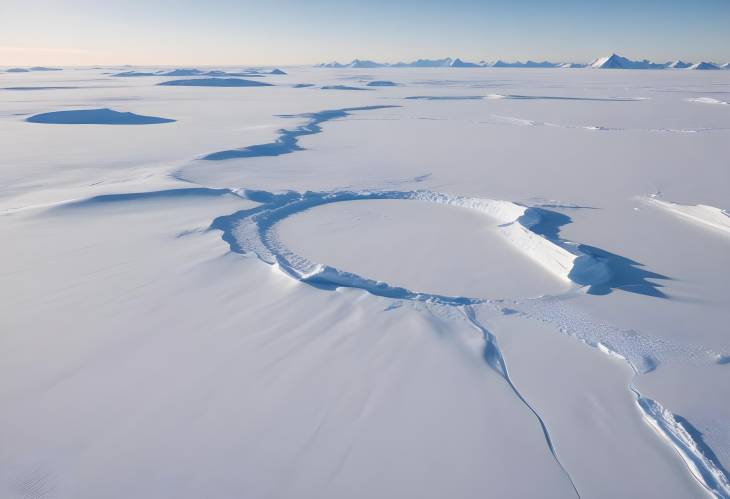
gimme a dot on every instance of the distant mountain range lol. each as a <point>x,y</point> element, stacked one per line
<point>612,61</point>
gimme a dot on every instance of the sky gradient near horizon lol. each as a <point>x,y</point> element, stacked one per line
<point>282,32</point>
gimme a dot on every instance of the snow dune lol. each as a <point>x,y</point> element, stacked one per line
<point>703,215</point>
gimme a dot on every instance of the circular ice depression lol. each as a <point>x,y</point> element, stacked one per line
<point>422,246</point>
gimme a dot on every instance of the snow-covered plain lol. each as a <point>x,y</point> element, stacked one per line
<point>465,282</point>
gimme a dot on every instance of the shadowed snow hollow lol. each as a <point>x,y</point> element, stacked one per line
<point>421,246</point>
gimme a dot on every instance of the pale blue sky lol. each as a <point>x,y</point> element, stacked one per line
<point>280,32</point>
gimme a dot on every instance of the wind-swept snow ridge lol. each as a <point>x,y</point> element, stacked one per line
<point>707,100</point>
<point>559,97</point>
<point>514,121</point>
<point>444,97</point>
<point>343,87</point>
<point>699,459</point>
<point>288,140</point>
<point>251,231</point>
<point>708,216</point>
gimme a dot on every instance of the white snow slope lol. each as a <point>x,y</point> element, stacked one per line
<point>458,285</point>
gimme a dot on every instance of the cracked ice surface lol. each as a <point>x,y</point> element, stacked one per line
<point>294,292</point>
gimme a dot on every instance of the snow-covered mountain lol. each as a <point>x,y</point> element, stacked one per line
<point>419,63</point>
<point>703,66</point>
<point>615,61</point>
<point>519,64</point>
<point>678,64</point>
<point>541,64</point>
<point>458,63</point>
<point>333,64</point>
<point>357,63</point>
<point>425,63</point>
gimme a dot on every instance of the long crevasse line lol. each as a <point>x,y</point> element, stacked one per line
<point>494,358</point>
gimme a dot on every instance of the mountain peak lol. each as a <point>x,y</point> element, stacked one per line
<point>703,65</point>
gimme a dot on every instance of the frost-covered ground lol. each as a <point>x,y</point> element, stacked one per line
<point>472,283</point>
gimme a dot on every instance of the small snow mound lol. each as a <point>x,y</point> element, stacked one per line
<point>381,83</point>
<point>95,117</point>
<point>277,72</point>
<point>342,87</point>
<point>215,82</point>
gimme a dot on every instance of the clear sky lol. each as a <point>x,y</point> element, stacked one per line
<point>280,32</point>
